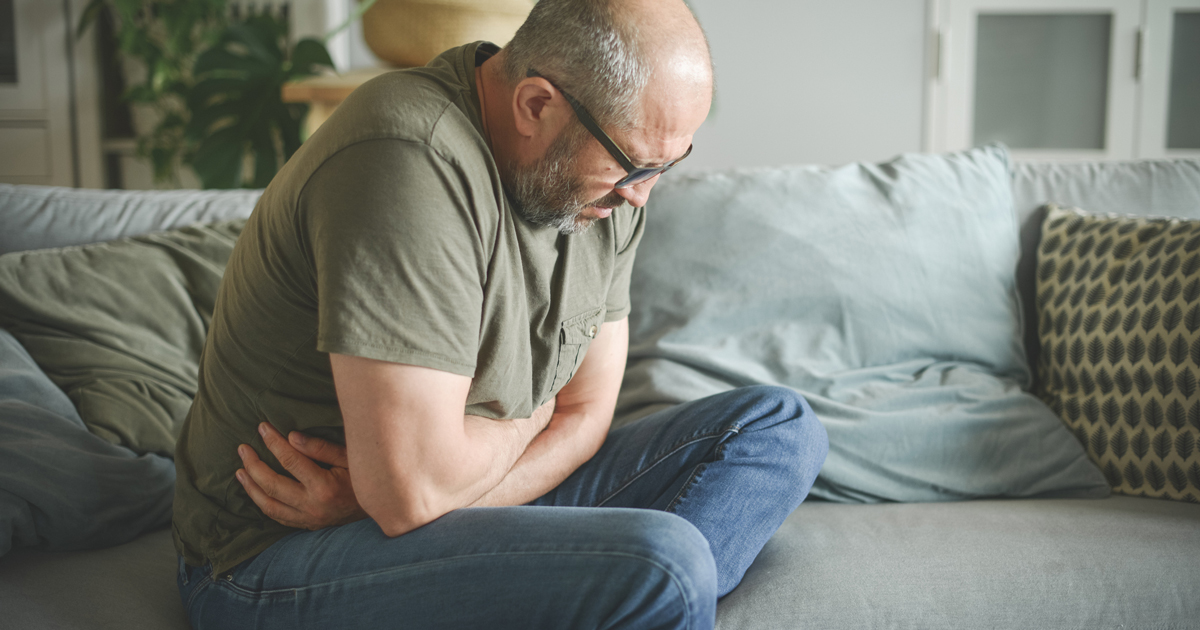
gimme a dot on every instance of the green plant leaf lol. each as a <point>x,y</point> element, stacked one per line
<point>162,74</point>
<point>203,120</point>
<point>265,160</point>
<point>205,91</point>
<point>307,56</point>
<point>218,159</point>
<point>221,60</point>
<point>289,127</point>
<point>259,39</point>
<point>140,94</point>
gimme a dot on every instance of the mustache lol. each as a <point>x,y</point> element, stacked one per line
<point>611,200</point>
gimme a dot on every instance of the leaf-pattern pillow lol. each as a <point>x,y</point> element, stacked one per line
<point>1118,302</point>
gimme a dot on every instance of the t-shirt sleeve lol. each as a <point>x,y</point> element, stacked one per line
<point>628,235</point>
<point>398,254</point>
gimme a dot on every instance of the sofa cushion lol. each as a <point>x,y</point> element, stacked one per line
<point>1120,562</point>
<point>39,217</point>
<point>884,293</point>
<point>62,487</point>
<point>1165,188</point>
<point>120,325</point>
<point>1119,319</point>
<point>129,587</point>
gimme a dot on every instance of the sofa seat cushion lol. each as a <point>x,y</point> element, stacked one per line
<point>128,587</point>
<point>1120,562</point>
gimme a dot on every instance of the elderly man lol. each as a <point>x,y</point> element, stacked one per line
<point>439,280</point>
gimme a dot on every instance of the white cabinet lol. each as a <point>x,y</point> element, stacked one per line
<point>1170,96</point>
<point>48,114</point>
<point>1066,79</point>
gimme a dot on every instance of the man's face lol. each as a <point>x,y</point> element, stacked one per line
<point>571,186</point>
<point>552,192</point>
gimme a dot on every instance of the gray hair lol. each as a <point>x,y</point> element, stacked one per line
<point>587,50</point>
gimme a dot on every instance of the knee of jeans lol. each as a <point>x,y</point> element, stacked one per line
<point>811,444</point>
<point>673,548</point>
<point>795,430</point>
<point>771,405</point>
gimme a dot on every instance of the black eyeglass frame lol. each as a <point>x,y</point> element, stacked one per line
<point>634,174</point>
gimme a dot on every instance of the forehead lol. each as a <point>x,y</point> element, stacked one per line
<point>667,126</point>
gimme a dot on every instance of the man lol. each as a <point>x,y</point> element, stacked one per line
<point>438,280</point>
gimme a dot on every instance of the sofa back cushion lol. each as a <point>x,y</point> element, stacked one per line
<point>120,325</point>
<point>38,217</point>
<point>1162,188</point>
<point>867,264</point>
<point>884,293</point>
<point>1119,318</point>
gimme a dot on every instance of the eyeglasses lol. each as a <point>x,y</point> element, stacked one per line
<point>634,175</point>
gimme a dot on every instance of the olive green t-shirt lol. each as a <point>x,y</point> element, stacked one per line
<point>388,236</point>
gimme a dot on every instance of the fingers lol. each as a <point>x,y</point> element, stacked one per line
<point>267,480</point>
<point>301,467</point>
<point>270,506</point>
<point>318,449</point>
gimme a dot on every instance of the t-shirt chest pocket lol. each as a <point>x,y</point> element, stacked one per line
<point>573,340</point>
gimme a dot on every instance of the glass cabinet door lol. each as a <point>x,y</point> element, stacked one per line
<point>1052,79</point>
<point>1041,80</point>
<point>1169,121</point>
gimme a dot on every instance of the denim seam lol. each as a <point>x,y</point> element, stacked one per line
<point>687,485</point>
<point>232,586</point>
<point>656,461</point>
<point>718,455</point>
<point>659,459</point>
<point>200,585</point>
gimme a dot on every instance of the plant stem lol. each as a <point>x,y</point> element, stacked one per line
<point>354,15</point>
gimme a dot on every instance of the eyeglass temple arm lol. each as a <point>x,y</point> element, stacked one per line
<point>590,124</point>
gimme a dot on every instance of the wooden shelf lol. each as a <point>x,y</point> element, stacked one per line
<point>325,93</point>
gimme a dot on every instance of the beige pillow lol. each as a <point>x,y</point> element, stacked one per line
<point>1118,301</point>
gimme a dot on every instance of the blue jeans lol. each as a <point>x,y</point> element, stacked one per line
<point>714,479</point>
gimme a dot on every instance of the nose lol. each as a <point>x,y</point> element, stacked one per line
<point>638,194</point>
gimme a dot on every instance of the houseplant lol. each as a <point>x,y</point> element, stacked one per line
<point>159,41</point>
<point>212,77</point>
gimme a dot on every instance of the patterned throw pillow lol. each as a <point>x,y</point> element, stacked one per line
<point>1118,302</point>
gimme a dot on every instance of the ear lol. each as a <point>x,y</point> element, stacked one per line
<point>535,107</point>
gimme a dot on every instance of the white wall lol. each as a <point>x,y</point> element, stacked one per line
<point>812,81</point>
<point>798,81</point>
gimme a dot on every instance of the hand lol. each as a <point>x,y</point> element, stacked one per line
<point>317,498</point>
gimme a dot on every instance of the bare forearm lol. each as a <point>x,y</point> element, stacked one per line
<point>503,444</point>
<point>578,428</point>
<point>568,442</point>
<point>454,475</point>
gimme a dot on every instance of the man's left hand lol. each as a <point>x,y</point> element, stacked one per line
<point>317,498</point>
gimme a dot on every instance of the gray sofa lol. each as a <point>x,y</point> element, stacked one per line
<point>1013,529</point>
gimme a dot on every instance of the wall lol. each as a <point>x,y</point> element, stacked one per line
<point>812,81</point>
<point>798,81</point>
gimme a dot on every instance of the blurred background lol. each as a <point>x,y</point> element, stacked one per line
<point>218,93</point>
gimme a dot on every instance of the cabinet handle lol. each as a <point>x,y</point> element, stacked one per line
<point>1137,54</point>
